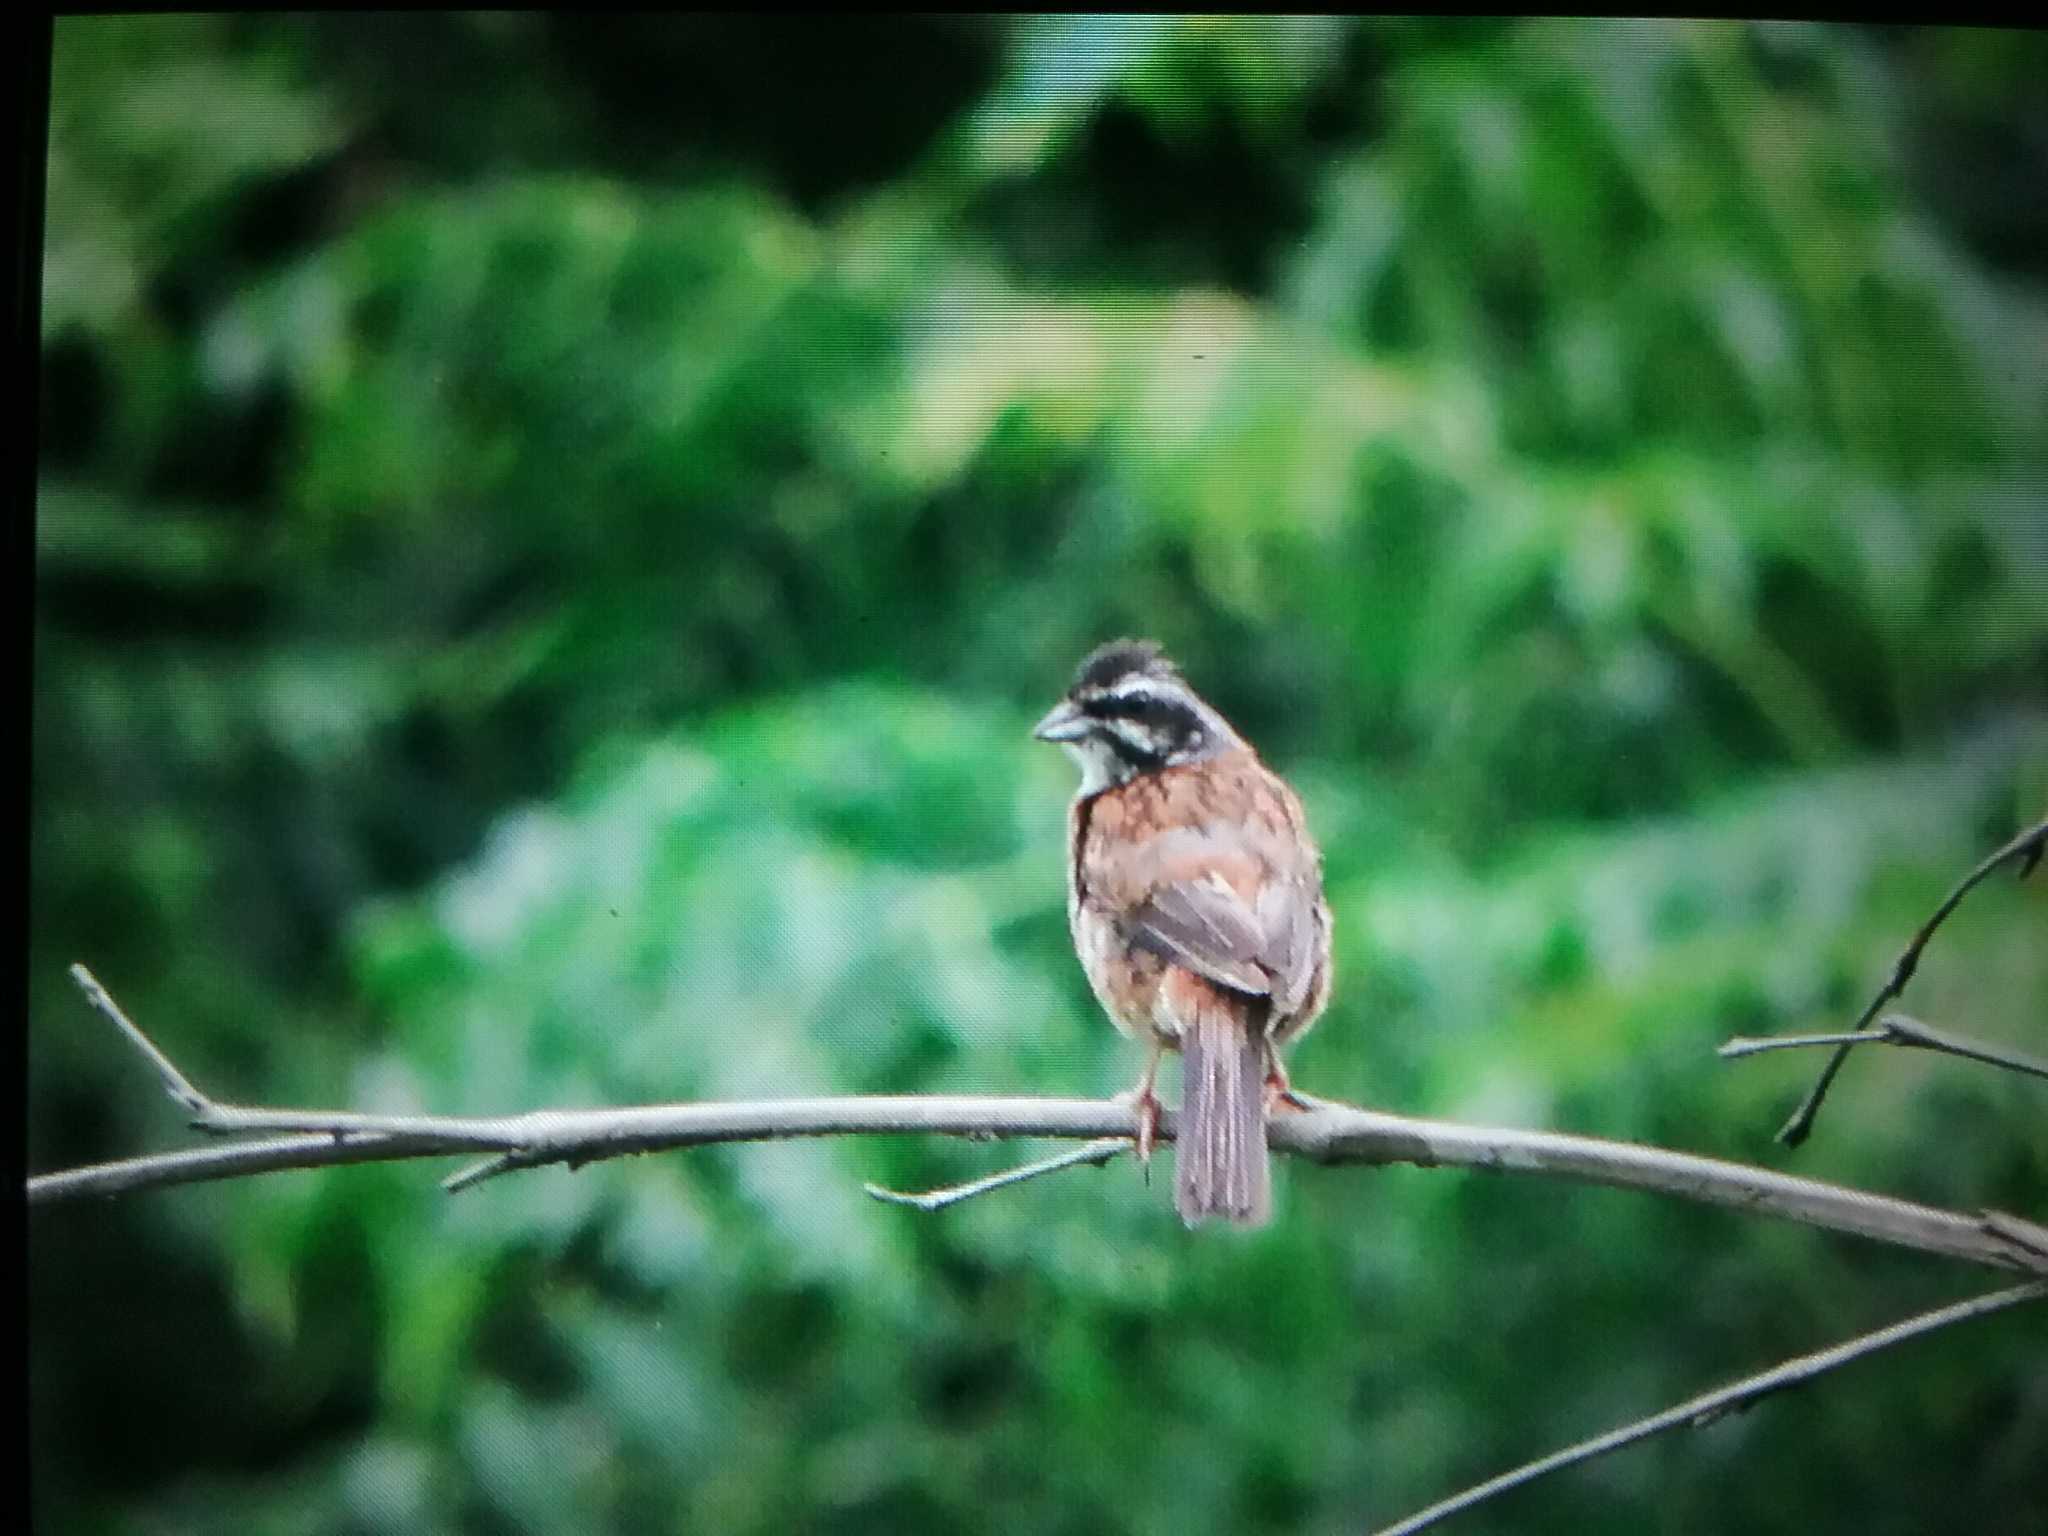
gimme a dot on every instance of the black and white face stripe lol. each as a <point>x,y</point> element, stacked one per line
<point>1130,712</point>
<point>1152,723</point>
<point>1139,698</point>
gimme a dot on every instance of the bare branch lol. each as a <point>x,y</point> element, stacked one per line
<point>2027,848</point>
<point>1709,1406</point>
<point>1895,1029</point>
<point>1333,1135</point>
<point>581,1136</point>
<point>1329,1133</point>
<point>1346,1135</point>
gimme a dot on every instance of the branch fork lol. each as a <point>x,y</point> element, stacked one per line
<point>2026,851</point>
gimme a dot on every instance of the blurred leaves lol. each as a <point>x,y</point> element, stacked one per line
<point>138,182</point>
<point>551,535</point>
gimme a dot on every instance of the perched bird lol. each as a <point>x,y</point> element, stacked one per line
<point>1195,897</point>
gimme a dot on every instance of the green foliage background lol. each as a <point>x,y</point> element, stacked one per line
<point>552,532</point>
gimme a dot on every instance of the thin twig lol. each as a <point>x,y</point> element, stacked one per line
<point>476,1173</point>
<point>1895,1029</point>
<point>1904,1029</point>
<point>2027,848</point>
<point>1736,1046</point>
<point>236,1160</point>
<point>1096,1152</point>
<point>216,1118</point>
<point>176,1084</point>
<point>1709,1406</point>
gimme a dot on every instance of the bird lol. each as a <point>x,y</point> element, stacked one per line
<point>1195,900</point>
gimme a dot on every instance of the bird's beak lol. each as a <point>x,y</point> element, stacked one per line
<point>1064,722</point>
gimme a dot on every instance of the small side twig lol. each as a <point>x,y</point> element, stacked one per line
<point>209,1114</point>
<point>176,1084</point>
<point>1708,1406</point>
<point>1096,1152</point>
<point>476,1173</point>
<point>2027,848</point>
<point>1896,1029</point>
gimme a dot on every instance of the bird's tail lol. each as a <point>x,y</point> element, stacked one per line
<point>1220,1161</point>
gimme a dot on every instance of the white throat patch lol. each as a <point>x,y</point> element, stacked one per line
<point>1098,763</point>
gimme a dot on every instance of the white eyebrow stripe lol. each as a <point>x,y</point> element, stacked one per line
<point>1143,688</point>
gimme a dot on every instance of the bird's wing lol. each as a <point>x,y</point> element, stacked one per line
<point>1206,926</point>
<point>1291,916</point>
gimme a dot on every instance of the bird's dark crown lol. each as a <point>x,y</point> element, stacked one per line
<point>1109,664</point>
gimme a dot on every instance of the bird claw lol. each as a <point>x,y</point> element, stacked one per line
<point>1145,1104</point>
<point>1279,1091</point>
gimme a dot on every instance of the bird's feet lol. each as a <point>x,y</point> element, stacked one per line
<point>1145,1104</point>
<point>1280,1093</point>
